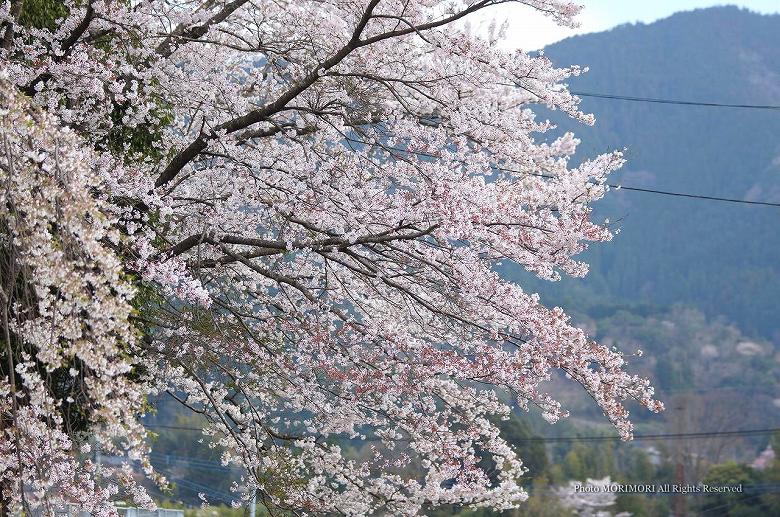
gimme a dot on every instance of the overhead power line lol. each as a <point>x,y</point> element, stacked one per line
<point>675,101</point>
<point>611,185</point>
<point>666,436</point>
<point>211,465</point>
<point>173,427</point>
<point>661,192</point>
<point>695,196</point>
<point>197,488</point>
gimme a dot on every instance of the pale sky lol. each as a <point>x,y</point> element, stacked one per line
<point>530,31</point>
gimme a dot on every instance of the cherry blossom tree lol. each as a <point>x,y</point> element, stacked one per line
<point>288,216</point>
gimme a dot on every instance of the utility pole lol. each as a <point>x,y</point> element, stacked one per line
<point>253,504</point>
<point>680,506</point>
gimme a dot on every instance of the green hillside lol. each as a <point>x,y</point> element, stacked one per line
<point>722,258</point>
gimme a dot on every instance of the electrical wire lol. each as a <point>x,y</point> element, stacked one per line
<point>734,502</point>
<point>171,460</point>
<point>198,488</point>
<point>611,185</point>
<point>695,196</point>
<point>661,192</point>
<point>656,100</point>
<point>662,436</point>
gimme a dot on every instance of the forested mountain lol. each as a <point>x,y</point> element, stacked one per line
<point>722,258</point>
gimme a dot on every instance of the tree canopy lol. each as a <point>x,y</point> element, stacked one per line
<point>288,216</point>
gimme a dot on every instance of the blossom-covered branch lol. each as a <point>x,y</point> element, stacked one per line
<point>306,202</point>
